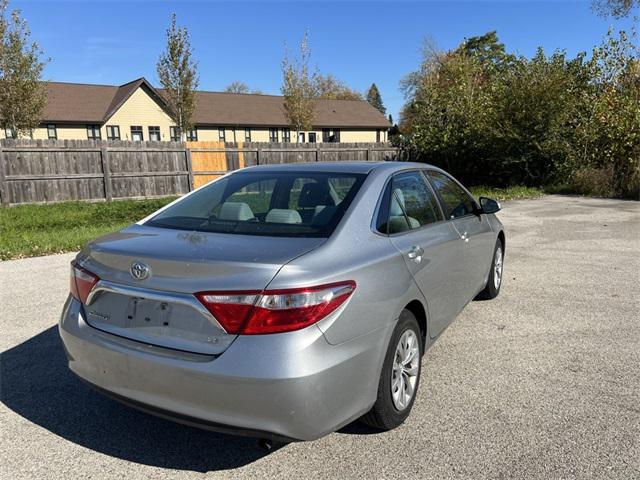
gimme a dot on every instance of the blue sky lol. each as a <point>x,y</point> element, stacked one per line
<point>359,42</point>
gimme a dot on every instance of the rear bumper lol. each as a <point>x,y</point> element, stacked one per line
<point>291,386</point>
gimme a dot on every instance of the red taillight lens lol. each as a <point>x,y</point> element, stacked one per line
<point>82,281</point>
<point>274,311</point>
<point>230,308</point>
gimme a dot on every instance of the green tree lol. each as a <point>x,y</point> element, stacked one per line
<point>178,75</point>
<point>299,89</point>
<point>22,95</point>
<point>331,88</point>
<point>375,99</point>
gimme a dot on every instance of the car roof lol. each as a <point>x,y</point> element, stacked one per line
<point>337,167</point>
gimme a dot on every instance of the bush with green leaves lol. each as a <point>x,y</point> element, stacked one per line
<point>494,118</point>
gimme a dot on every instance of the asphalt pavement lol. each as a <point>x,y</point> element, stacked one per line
<point>542,382</point>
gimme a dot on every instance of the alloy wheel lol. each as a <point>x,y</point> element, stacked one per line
<point>406,366</point>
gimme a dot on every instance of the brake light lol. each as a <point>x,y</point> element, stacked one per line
<point>275,311</point>
<point>82,282</point>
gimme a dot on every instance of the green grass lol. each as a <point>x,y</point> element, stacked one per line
<point>33,230</point>
<point>507,193</point>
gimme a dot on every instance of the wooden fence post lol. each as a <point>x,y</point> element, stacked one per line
<point>368,154</point>
<point>4,190</point>
<point>106,173</point>
<point>258,155</point>
<point>317,152</point>
<point>187,156</point>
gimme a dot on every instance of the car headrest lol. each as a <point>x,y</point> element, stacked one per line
<point>282,215</point>
<point>238,211</point>
<point>314,194</point>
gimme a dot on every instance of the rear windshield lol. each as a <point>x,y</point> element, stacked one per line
<point>290,204</point>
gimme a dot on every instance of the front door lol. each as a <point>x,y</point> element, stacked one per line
<point>430,246</point>
<point>473,228</point>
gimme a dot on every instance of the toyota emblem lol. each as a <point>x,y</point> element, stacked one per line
<point>139,270</point>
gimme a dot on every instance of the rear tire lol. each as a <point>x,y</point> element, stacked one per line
<point>495,274</point>
<point>400,377</point>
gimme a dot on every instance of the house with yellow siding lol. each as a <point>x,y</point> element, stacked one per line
<point>137,111</point>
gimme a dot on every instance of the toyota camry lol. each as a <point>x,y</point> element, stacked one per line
<point>283,301</point>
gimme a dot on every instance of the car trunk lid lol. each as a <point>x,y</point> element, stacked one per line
<point>160,309</point>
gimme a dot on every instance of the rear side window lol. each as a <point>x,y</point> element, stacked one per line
<point>455,201</point>
<point>286,204</point>
<point>412,204</point>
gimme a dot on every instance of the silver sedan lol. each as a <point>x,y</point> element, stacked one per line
<point>283,301</point>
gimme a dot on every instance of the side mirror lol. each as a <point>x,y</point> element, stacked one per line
<point>489,205</point>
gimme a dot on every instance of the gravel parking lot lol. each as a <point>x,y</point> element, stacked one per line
<point>543,382</point>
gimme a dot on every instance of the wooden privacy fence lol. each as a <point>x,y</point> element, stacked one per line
<point>34,171</point>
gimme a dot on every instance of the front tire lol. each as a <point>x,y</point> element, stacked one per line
<point>494,281</point>
<point>400,376</point>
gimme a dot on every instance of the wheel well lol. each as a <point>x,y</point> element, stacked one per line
<point>501,237</point>
<point>417,309</point>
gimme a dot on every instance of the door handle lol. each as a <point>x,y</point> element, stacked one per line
<point>465,237</point>
<point>415,253</point>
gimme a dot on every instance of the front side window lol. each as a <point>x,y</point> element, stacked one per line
<point>301,137</point>
<point>273,134</point>
<point>312,137</point>
<point>93,132</point>
<point>326,135</point>
<point>286,135</point>
<point>113,132</point>
<point>247,134</point>
<point>221,135</point>
<point>154,134</point>
<point>412,204</point>
<point>378,135</point>
<point>192,135</point>
<point>455,201</point>
<point>289,204</point>
<point>52,133</point>
<point>136,133</point>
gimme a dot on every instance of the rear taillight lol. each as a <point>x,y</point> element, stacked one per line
<point>82,282</point>
<point>274,311</point>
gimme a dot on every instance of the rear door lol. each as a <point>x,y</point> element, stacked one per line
<point>474,229</point>
<point>430,246</point>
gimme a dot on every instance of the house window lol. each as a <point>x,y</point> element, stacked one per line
<point>192,135</point>
<point>221,135</point>
<point>136,133</point>
<point>331,136</point>
<point>113,132</point>
<point>174,133</point>
<point>301,137</point>
<point>93,132</point>
<point>247,134</point>
<point>52,133</point>
<point>273,134</point>
<point>377,135</point>
<point>286,135</point>
<point>154,134</point>
<point>312,137</point>
<point>8,133</point>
